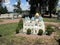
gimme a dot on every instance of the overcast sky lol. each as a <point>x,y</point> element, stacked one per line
<point>24,5</point>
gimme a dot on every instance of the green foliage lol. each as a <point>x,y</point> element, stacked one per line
<point>17,7</point>
<point>7,29</point>
<point>17,11</point>
<point>40,32</point>
<point>3,10</point>
<point>51,8</point>
<point>17,30</point>
<point>29,31</point>
<point>49,30</point>
<point>20,24</point>
<point>0,35</point>
<point>42,3</point>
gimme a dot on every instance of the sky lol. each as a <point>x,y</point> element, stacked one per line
<point>24,5</point>
<point>9,4</point>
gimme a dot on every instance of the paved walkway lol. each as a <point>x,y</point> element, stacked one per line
<point>53,23</point>
<point>5,21</point>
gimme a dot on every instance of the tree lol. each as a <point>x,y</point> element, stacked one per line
<point>5,10</point>
<point>1,10</point>
<point>32,7</point>
<point>0,2</point>
<point>17,11</point>
<point>17,7</point>
<point>41,5</point>
<point>52,6</point>
<point>37,5</point>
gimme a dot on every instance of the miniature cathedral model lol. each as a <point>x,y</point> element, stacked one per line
<point>35,24</point>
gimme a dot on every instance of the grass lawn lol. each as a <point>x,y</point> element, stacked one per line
<point>51,20</point>
<point>8,29</point>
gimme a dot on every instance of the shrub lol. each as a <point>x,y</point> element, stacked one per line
<point>0,35</point>
<point>29,31</point>
<point>40,32</point>
<point>17,30</point>
<point>20,24</point>
<point>49,30</point>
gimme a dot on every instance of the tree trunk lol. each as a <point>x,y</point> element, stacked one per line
<point>40,9</point>
<point>50,14</point>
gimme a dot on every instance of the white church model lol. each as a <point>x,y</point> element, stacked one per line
<point>35,23</point>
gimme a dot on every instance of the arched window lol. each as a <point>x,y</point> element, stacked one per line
<point>35,31</point>
<point>35,24</point>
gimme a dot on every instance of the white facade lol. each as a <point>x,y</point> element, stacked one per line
<point>11,15</point>
<point>35,23</point>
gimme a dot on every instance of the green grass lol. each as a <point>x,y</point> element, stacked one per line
<point>8,29</point>
<point>51,20</point>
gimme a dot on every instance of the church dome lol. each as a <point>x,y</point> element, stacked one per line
<point>37,14</point>
<point>27,18</point>
<point>32,18</point>
<point>40,18</point>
